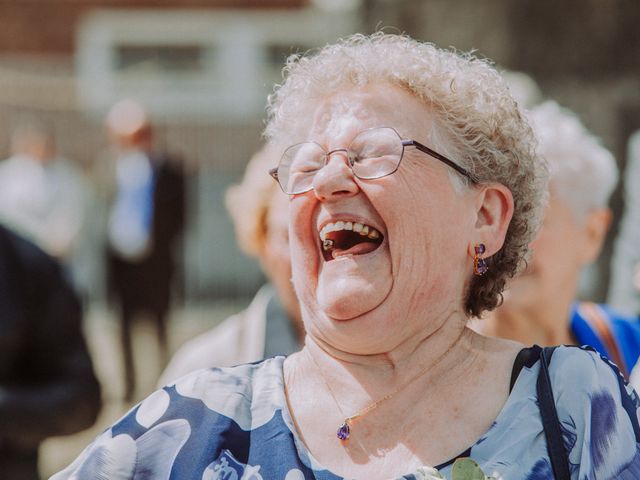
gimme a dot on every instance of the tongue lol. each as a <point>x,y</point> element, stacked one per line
<point>358,249</point>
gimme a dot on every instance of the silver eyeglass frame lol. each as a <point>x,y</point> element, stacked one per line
<point>351,160</point>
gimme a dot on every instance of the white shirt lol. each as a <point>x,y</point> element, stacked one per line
<point>130,218</point>
<point>45,203</point>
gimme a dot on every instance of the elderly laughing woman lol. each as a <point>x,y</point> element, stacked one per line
<point>414,191</point>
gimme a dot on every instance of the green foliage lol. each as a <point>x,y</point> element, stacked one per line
<point>463,469</point>
<point>467,469</point>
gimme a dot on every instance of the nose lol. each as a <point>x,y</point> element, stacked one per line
<point>336,178</point>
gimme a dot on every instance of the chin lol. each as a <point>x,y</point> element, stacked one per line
<point>343,312</point>
<point>350,298</point>
<point>348,311</point>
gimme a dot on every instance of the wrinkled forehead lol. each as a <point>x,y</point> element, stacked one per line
<point>340,116</point>
<point>337,113</point>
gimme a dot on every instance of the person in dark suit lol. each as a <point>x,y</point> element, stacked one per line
<point>47,383</point>
<point>146,219</point>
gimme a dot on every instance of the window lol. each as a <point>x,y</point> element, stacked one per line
<point>215,64</point>
<point>159,58</point>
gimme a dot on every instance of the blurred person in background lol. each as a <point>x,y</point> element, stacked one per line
<point>524,89</point>
<point>146,199</point>
<point>47,384</point>
<point>624,289</point>
<point>271,325</point>
<point>43,195</point>
<point>540,304</point>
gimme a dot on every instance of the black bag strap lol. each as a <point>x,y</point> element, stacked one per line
<point>550,421</point>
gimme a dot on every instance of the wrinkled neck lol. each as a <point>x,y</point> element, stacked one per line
<point>431,355</point>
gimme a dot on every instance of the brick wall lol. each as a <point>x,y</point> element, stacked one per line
<point>48,26</point>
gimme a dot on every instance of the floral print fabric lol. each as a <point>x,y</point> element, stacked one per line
<point>233,423</point>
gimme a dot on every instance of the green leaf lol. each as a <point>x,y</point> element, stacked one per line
<point>466,469</point>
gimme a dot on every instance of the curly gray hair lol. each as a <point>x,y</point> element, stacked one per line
<point>474,111</point>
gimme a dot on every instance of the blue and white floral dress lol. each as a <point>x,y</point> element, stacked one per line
<point>233,423</point>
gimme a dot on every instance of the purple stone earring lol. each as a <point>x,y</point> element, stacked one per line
<point>480,266</point>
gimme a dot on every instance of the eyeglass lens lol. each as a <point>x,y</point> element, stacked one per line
<point>373,154</point>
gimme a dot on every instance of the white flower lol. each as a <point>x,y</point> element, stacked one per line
<point>428,473</point>
<point>115,458</point>
<point>248,394</point>
<point>152,408</point>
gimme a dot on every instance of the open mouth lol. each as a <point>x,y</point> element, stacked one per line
<point>348,238</point>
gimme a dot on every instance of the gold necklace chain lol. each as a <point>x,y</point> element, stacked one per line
<point>344,430</point>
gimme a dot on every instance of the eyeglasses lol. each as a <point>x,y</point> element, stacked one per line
<point>373,153</point>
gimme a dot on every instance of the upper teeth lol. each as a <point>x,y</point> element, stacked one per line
<point>364,230</point>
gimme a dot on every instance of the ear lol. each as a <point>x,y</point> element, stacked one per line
<point>494,209</point>
<point>596,226</point>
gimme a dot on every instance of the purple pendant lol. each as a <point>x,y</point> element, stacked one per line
<point>481,266</point>
<point>344,431</point>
